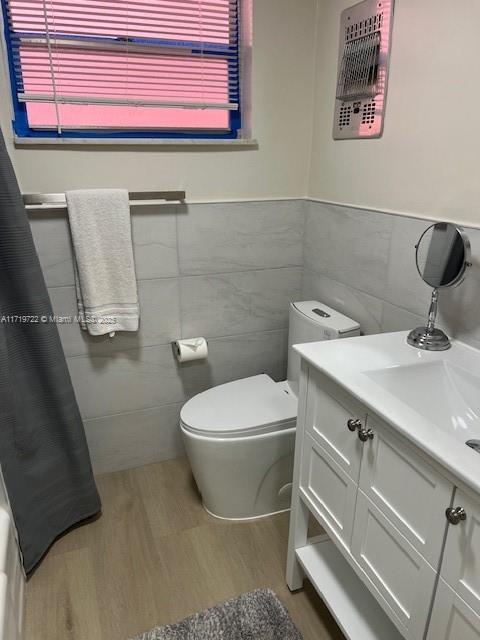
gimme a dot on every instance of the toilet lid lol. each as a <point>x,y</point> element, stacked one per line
<point>255,404</point>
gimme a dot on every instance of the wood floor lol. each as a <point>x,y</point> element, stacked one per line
<point>154,557</point>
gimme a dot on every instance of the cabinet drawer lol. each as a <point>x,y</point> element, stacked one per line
<point>452,618</point>
<point>461,560</point>
<point>328,410</point>
<point>330,490</point>
<point>394,566</point>
<point>411,493</point>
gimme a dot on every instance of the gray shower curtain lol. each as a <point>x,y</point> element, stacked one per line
<point>43,451</point>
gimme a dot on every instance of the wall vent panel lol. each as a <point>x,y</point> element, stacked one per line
<point>365,39</point>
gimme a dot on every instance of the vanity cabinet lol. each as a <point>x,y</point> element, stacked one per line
<point>456,609</point>
<point>328,411</point>
<point>401,575</point>
<point>382,503</point>
<point>409,491</point>
<point>461,563</point>
<point>331,493</point>
<point>452,618</point>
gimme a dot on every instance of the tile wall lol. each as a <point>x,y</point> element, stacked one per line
<point>228,272</point>
<point>223,271</point>
<point>363,264</point>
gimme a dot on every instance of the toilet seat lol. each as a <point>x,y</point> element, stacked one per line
<point>246,407</point>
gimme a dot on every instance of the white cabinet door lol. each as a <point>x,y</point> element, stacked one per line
<point>461,560</point>
<point>329,490</point>
<point>329,409</point>
<point>410,492</point>
<point>452,618</point>
<point>397,570</point>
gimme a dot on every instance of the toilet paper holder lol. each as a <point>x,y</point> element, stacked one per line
<point>190,349</point>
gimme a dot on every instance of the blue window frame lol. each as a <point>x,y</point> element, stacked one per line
<point>228,52</point>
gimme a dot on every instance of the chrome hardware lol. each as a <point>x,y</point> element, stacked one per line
<point>354,423</point>
<point>456,514</point>
<point>365,434</point>
<point>430,338</point>
<point>40,201</point>
<point>422,338</point>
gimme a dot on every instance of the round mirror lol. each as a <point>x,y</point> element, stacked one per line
<point>443,254</point>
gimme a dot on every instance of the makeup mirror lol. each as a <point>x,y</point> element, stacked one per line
<point>442,256</point>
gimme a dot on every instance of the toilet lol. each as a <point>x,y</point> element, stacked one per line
<point>240,436</point>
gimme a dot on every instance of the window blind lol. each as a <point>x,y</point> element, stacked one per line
<point>174,54</point>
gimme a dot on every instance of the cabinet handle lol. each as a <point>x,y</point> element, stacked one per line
<point>354,423</point>
<point>365,434</point>
<point>456,514</point>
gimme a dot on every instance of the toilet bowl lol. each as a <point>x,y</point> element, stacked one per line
<point>240,436</point>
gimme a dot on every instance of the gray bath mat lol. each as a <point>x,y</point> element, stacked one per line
<point>258,615</point>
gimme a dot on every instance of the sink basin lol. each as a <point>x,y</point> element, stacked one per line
<point>443,392</point>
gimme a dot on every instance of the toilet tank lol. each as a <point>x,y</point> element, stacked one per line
<point>313,321</point>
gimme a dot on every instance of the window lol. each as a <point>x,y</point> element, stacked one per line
<point>124,68</point>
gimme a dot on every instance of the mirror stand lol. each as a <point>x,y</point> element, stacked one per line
<point>430,338</point>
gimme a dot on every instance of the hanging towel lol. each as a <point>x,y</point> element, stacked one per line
<point>103,260</point>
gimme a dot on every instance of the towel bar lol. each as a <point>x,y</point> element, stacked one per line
<point>39,201</point>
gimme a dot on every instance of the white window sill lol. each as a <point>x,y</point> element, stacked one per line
<point>134,142</point>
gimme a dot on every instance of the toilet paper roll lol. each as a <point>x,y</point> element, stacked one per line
<point>190,349</point>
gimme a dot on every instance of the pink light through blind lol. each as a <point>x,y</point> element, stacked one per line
<point>78,67</point>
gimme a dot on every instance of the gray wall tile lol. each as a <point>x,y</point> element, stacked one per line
<point>459,307</point>
<point>133,439</point>
<point>405,298</point>
<point>160,311</point>
<point>240,266</point>
<point>64,305</point>
<point>126,381</point>
<point>159,320</point>
<point>359,306</point>
<point>236,357</point>
<point>125,384</point>
<point>231,303</point>
<point>348,246</point>
<point>52,241</point>
<point>155,240</point>
<point>248,355</point>
<point>219,238</point>
<point>405,287</point>
<point>150,376</point>
<point>398,319</point>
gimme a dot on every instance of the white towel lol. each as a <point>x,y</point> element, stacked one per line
<point>103,259</point>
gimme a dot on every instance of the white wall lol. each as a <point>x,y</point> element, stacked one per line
<point>427,162</point>
<point>282,116</point>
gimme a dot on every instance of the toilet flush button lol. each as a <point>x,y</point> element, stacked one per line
<point>321,313</point>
